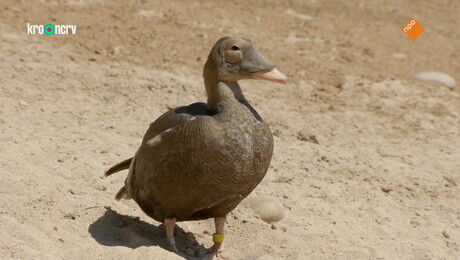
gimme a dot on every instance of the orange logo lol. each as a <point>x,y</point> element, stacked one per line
<point>413,29</point>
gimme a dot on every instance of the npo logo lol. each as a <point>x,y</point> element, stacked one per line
<point>413,29</point>
<point>51,29</point>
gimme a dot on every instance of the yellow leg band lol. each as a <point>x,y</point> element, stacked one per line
<point>218,238</point>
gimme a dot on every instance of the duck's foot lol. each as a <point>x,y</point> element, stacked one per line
<point>172,244</point>
<point>170,223</point>
<point>216,252</point>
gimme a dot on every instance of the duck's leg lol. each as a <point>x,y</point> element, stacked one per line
<point>170,223</point>
<point>218,238</point>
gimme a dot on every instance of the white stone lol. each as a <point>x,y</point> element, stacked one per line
<point>437,77</point>
<point>266,208</point>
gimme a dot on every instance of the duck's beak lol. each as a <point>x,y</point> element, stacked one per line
<point>271,75</point>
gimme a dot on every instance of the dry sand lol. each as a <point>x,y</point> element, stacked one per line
<point>366,161</point>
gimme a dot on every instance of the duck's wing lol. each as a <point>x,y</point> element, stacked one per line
<point>175,117</point>
<point>168,120</point>
<point>172,171</point>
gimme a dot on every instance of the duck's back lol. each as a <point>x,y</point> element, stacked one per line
<point>194,165</point>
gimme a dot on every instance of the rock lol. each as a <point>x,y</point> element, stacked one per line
<point>386,189</point>
<point>99,187</point>
<point>437,77</point>
<point>445,234</point>
<point>266,208</point>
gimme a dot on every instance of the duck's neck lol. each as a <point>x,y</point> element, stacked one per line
<point>224,96</point>
<point>221,93</point>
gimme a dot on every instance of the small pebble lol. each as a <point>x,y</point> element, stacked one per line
<point>100,187</point>
<point>445,234</point>
<point>414,223</point>
<point>70,216</point>
<point>386,189</point>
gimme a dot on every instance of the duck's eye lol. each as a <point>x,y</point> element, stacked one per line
<point>235,48</point>
<point>232,56</point>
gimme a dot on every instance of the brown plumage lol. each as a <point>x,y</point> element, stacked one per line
<point>199,161</point>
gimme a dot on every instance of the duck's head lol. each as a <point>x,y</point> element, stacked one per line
<point>235,58</point>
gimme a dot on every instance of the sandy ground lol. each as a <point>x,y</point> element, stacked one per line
<point>366,161</point>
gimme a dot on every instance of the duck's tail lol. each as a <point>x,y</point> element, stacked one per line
<point>124,165</point>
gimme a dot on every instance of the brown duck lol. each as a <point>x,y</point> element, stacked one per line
<point>200,161</point>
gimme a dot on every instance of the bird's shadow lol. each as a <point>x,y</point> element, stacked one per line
<point>114,229</point>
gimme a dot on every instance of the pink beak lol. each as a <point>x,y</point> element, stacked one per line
<point>271,75</point>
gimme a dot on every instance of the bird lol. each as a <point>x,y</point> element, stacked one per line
<point>200,161</point>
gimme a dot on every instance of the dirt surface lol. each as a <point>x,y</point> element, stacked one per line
<point>366,161</point>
